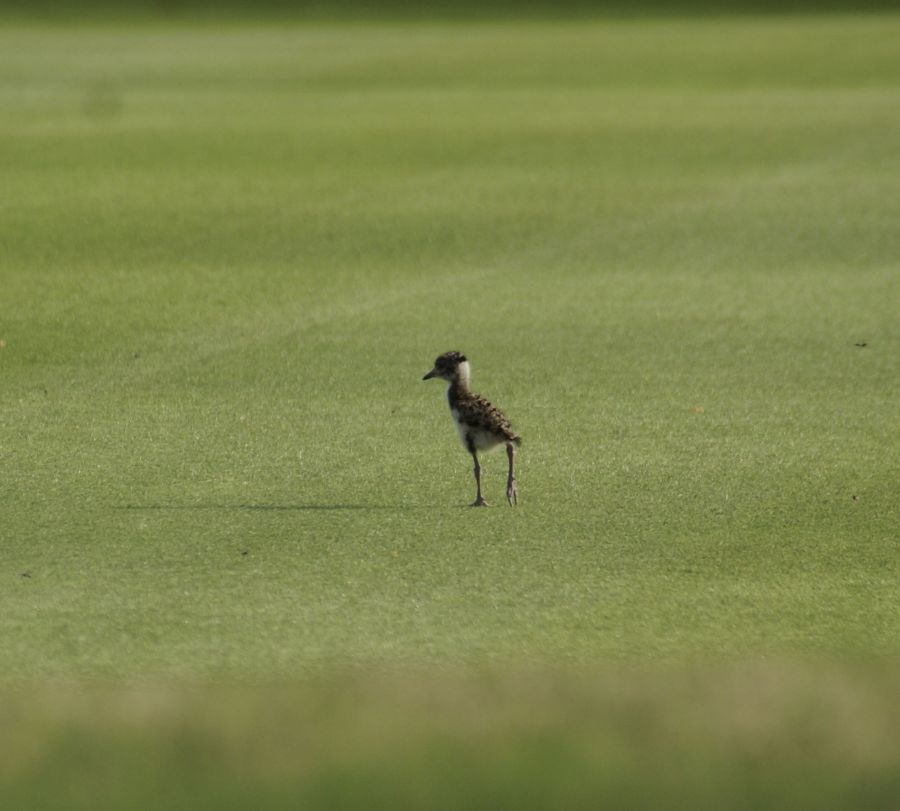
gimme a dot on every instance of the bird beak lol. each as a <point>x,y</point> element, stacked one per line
<point>431,374</point>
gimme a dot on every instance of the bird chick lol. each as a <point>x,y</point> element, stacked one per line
<point>481,426</point>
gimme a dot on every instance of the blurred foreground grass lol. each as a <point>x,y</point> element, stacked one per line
<point>766,735</point>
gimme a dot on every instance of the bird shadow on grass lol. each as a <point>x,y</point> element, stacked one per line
<point>262,507</point>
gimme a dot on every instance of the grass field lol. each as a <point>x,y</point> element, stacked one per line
<point>229,252</point>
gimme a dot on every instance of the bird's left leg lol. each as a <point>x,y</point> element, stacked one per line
<point>479,499</point>
<point>511,494</point>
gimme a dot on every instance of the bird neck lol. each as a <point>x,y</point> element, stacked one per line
<point>459,385</point>
<point>461,378</point>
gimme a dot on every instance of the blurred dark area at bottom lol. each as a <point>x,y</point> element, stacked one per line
<point>419,9</point>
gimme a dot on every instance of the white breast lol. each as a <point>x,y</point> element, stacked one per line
<point>461,427</point>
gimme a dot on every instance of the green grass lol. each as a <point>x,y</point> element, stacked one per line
<point>228,254</point>
<point>752,737</point>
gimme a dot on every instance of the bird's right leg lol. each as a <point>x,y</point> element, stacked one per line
<point>511,493</point>
<point>479,500</point>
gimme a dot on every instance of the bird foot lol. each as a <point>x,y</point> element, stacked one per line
<point>512,495</point>
<point>479,502</point>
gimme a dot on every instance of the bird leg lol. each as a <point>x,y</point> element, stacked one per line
<point>511,493</point>
<point>479,501</point>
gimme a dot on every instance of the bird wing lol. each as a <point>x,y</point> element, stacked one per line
<point>479,413</point>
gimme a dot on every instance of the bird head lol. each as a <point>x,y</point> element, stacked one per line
<point>450,366</point>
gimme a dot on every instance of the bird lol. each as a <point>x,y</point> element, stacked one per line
<point>481,426</point>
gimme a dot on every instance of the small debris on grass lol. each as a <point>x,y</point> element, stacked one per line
<point>698,409</point>
<point>855,498</point>
<point>245,552</point>
<point>136,355</point>
<point>26,574</point>
<point>861,344</point>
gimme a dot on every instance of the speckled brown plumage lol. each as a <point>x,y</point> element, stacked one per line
<point>477,414</point>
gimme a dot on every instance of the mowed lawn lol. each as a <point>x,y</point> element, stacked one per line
<point>228,254</point>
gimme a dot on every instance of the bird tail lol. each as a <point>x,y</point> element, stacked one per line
<point>517,441</point>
